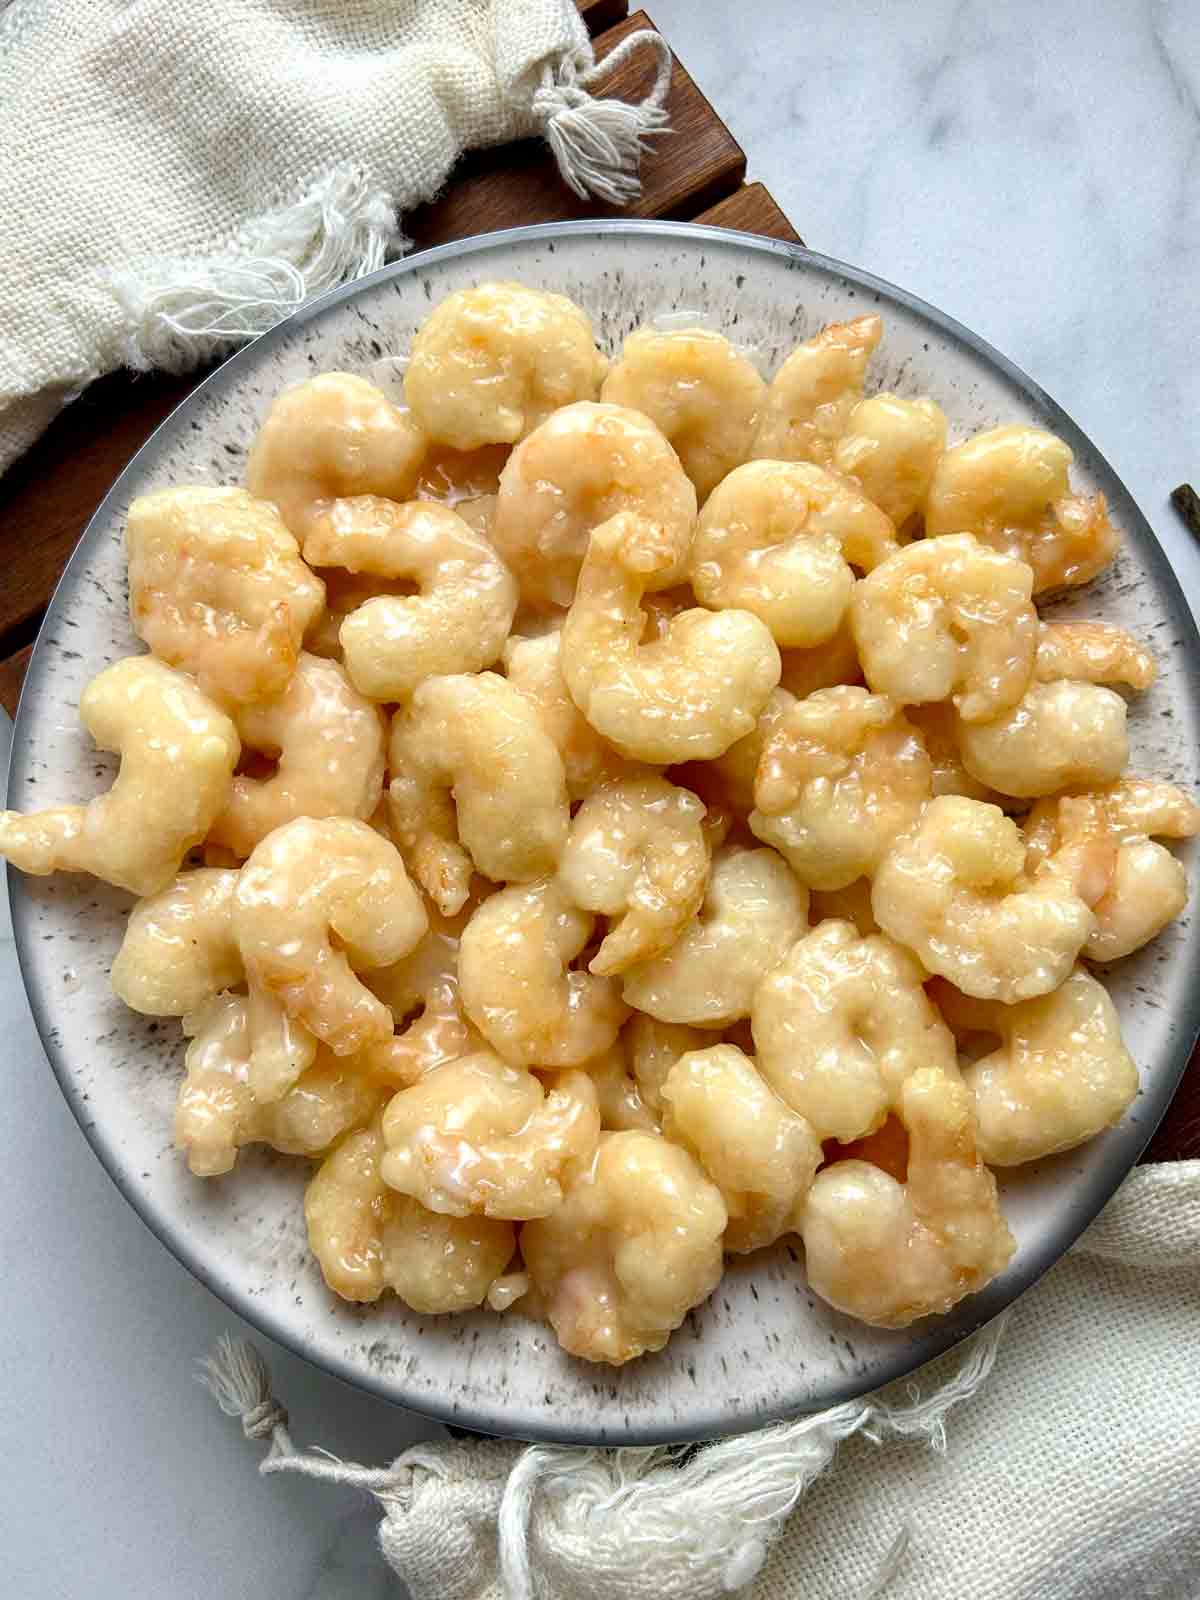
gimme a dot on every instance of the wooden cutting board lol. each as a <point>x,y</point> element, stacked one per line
<point>696,174</point>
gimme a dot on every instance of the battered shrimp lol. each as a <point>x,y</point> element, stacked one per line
<point>1144,887</point>
<point>331,437</point>
<point>891,447</point>
<point>456,622</point>
<point>704,395</point>
<point>840,775</point>
<point>761,1155</point>
<point>534,667</point>
<point>518,989</point>
<point>954,891</point>
<point>1062,1073</point>
<point>1092,652</point>
<point>636,852</point>
<point>687,696</point>
<point>729,779</point>
<point>754,909</point>
<point>824,666</point>
<point>217,587</point>
<point>815,391</point>
<point>310,883</point>
<point>344,593</point>
<point>217,1111</point>
<point>1010,487</point>
<point>887,1252</point>
<point>1057,735</point>
<point>652,1048</point>
<point>779,538</point>
<point>948,617</point>
<point>478,1135</point>
<point>635,1244</point>
<point>178,751</point>
<point>367,1239</point>
<point>841,1025</point>
<point>178,948</point>
<point>494,361</point>
<point>329,743</point>
<point>581,467</point>
<point>476,782</point>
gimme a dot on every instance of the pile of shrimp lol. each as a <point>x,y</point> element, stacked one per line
<point>608,815</point>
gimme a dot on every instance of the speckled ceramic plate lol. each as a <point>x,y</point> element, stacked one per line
<point>763,1346</point>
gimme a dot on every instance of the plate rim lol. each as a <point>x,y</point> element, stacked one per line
<point>988,1304</point>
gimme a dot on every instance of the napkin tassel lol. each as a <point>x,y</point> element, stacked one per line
<point>698,1522</point>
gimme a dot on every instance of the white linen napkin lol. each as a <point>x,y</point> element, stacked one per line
<point>177,175</point>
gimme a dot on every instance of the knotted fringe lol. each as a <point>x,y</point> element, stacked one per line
<point>704,1519</point>
<point>599,144</point>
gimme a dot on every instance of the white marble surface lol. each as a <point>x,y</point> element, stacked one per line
<point>1032,169</point>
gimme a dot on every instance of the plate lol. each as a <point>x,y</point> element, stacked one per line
<point>763,1347</point>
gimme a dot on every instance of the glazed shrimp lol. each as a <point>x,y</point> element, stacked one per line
<point>333,436</point>
<point>948,618</point>
<point>889,1252</point>
<point>686,696</point>
<point>780,539</point>
<point>534,667</point>
<point>178,948</point>
<point>456,622</point>
<point>329,743</point>
<point>702,393</point>
<point>307,884</point>
<point>583,465</point>
<point>840,775</point>
<point>815,391</point>
<point>954,891</point>
<point>841,1024</point>
<point>178,751</point>
<point>891,448</point>
<point>492,362</point>
<point>1010,488</point>
<point>518,987</point>
<point>1057,735</point>
<point>476,782</point>
<point>1092,652</point>
<point>217,588</point>
<point>636,852</point>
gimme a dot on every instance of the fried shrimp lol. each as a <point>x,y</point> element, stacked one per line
<point>1092,652</point>
<point>534,666</point>
<point>635,1244</point>
<point>637,853</point>
<point>1062,1073</point>
<point>328,741</point>
<point>517,984</point>
<point>178,751</point>
<point>1143,887</point>
<point>476,783</point>
<point>306,885</point>
<point>954,891</point>
<point>686,696</point>
<point>703,395</point>
<point>478,1135</point>
<point>753,910</point>
<point>948,618</point>
<point>889,1252</point>
<point>841,1025</point>
<point>840,775</point>
<point>178,948</point>
<point>332,437</point>
<point>780,539</point>
<point>891,447</point>
<point>583,465</point>
<point>217,588</point>
<point>1010,488</point>
<point>758,1152</point>
<point>812,396</point>
<point>456,622</point>
<point>1057,735</point>
<point>494,361</point>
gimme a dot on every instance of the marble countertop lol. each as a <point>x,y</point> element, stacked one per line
<point>1030,168</point>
